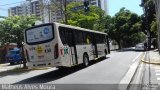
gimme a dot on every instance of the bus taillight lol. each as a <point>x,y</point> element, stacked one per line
<point>56,53</point>
<point>61,51</point>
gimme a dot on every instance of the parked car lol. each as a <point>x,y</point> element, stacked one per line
<point>140,47</point>
<point>14,56</point>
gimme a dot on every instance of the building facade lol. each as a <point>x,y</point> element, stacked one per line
<point>26,8</point>
<point>101,4</point>
<point>34,7</point>
<point>29,7</point>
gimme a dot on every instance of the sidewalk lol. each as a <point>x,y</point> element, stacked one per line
<point>7,67</point>
<point>152,57</point>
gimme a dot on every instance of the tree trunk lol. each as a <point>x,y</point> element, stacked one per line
<point>23,57</point>
<point>65,11</point>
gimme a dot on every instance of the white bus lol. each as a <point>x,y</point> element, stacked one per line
<point>59,45</point>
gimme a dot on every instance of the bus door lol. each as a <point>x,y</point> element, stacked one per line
<point>72,45</point>
<point>94,46</point>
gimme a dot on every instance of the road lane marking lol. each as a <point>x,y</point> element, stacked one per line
<point>130,73</point>
<point>137,57</point>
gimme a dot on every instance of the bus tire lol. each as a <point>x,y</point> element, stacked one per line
<point>85,60</point>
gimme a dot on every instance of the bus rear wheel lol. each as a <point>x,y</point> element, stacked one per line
<point>85,60</point>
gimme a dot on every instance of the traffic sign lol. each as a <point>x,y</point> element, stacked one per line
<point>77,8</point>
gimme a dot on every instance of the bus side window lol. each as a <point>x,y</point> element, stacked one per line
<point>84,38</point>
<point>62,34</point>
<point>79,37</point>
<point>97,38</point>
<point>103,38</point>
<point>69,36</point>
<point>87,38</point>
<point>91,38</point>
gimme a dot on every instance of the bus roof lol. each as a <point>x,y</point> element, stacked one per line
<point>69,26</point>
<point>79,28</point>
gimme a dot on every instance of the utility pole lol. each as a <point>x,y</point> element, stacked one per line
<point>65,11</point>
<point>49,16</point>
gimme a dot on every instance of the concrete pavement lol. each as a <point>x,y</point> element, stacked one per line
<point>110,71</point>
<point>152,57</point>
<point>7,66</point>
<point>147,77</point>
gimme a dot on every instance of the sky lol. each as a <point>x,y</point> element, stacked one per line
<point>4,7</point>
<point>113,6</point>
<point>133,5</point>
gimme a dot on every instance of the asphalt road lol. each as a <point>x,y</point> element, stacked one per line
<point>108,72</point>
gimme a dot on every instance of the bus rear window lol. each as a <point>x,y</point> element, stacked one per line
<point>39,34</point>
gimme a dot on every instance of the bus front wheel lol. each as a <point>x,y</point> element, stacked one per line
<point>85,60</point>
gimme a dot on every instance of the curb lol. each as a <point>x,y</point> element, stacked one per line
<point>126,80</point>
<point>149,62</point>
<point>156,63</point>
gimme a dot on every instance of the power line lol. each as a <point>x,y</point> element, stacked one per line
<point>11,3</point>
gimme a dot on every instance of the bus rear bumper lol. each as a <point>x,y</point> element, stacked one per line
<point>42,64</point>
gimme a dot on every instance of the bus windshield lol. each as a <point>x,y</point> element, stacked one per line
<point>39,34</point>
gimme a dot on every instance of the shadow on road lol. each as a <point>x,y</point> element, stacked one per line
<point>13,72</point>
<point>56,74</point>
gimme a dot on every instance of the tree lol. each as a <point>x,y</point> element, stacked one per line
<point>124,28</point>
<point>11,29</point>
<point>93,19</point>
<point>153,26</point>
<point>148,18</point>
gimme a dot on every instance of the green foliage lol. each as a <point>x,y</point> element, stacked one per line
<point>125,28</point>
<point>11,29</point>
<point>148,18</point>
<point>93,19</point>
<point>153,26</point>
